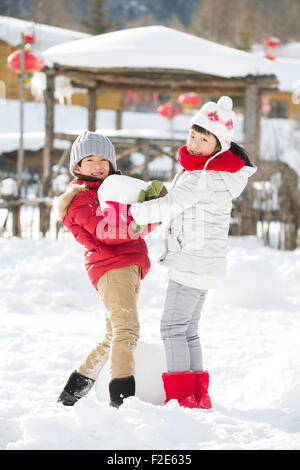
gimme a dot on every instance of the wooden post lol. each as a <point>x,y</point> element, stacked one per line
<point>146,162</point>
<point>16,209</point>
<point>45,212</point>
<point>20,160</point>
<point>48,156</point>
<point>16,219</point>
<point>119,119</point>
<point>174,161</point>
<point>252,121</point>
<point>92,107</point>
<point>252,145</point>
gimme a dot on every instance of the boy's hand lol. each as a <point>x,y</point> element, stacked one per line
<point>137,228</point>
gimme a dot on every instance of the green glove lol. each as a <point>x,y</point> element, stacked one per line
<point>142,196</point>
<point>155,189</point>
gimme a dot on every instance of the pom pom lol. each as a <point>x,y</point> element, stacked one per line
<point>225,102</point>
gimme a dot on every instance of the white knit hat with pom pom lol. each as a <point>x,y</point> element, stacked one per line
<point>219,119</point>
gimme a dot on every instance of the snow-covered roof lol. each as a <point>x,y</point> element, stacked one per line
<point>287,72</point>
<point>157,47</point>
<point>45,35</point>
<point>290,50</point>
<point>286,66</point>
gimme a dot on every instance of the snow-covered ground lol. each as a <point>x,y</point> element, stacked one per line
<point>51,316</point>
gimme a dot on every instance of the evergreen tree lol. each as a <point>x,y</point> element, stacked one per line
<point>96,20</point>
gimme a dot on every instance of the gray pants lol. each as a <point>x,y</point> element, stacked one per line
<point>179,327</point>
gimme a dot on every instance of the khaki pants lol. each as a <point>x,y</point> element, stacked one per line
<point>119,290</point>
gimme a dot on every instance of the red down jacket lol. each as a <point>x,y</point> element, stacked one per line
<point>106,247</point>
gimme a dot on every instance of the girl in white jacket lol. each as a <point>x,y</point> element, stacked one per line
<point>197,207</point>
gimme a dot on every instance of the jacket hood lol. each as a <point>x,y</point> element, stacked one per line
<point>62,202</point>
<point>236,182</point>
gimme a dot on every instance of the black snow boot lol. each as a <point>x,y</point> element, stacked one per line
<point>120,389</point>
<point>77,387</point>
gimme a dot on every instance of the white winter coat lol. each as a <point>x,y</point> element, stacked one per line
<point>197,233</point>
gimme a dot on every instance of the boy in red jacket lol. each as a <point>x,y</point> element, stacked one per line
<point>115,263</point>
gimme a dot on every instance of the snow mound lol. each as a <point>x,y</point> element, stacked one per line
<point>249,284</point>
<point>149,365</point>
<point>276,383</point>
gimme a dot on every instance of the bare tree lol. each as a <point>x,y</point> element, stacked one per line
<point>57,12</point>
<point>241,23</point>
<point>175,23</point>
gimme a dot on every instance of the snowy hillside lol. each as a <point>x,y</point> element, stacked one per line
<point>51,317</point>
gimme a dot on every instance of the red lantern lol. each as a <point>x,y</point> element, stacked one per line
<point>265,104</point>
<point>168,110</point>
<point>32,63</point>
<point>270,44</point>
<point>28,38</point>
<point>154,97</point>
<point>189,101</point>
<point>130,97</point>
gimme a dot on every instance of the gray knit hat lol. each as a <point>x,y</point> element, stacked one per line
<point>91,143</point>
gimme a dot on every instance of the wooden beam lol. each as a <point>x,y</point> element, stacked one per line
<point>127,152</point>
<point>142,165</point>
<point>162,79</point>
<point>128,140</point>
<point>65,154</point>
<point>82,82</point>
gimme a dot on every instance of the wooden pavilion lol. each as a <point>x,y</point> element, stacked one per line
<point>154,59</point>
<point>158,59</point>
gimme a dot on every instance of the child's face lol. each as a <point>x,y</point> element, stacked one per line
<point>93,165</point>
<point>201,144</point>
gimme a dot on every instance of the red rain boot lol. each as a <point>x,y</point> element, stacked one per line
<point>180,386</point>
<point>201,390</point>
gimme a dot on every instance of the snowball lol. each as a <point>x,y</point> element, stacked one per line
<point>150,364</point>
<point>120,188</point>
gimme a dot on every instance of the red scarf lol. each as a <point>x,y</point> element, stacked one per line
<point>225,161</point>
